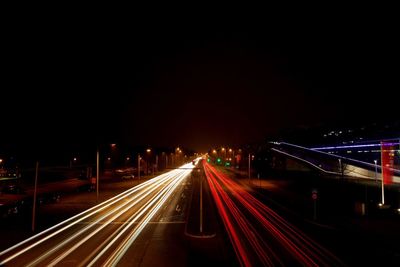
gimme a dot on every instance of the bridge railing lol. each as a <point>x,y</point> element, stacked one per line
<point>333,164</point>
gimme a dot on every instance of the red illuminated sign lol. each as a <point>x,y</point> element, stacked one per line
<point>387,159</point>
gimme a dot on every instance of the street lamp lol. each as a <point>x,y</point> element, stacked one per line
<point>178,154</point>
<point>214,151</point>
<point>148,160</point>
<point>97,173</point>
<point>127,161</point>
<point>114,155</point>
<point>231,156</point>
<point>249,167</point>
<point>382,184</point>
<point>139,158</point>
<point>156,164</point>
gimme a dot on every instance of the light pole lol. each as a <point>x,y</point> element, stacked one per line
<point>156,164</point>
<point>148,160</point>
<point>138,164</point>
<point>178,156</point>
<point>34,197</point>
<point>214,151</point>
<point>224,150</point>
<point>97,174</point>
<point>232,157</point>
<point>376,170</point>
<point>249,166</point>
<point>383,186</point>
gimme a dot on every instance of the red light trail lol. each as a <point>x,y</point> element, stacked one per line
<point>231,197</point>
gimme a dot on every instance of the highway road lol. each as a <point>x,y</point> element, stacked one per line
<point>133,228</point>
<point>147,225</point>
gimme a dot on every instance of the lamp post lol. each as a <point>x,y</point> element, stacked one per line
<point>178,156</point>
<point>138,164</point>
<point>34,197</point>
<point>231,157</point>
<point>383,186</point>
<point>156,164</point>
<point>148,160</point>
<point>249,166</point>
<point>214,151</point>
<point>97,174</point>
<point>224,150</point>
<point>376,170</point>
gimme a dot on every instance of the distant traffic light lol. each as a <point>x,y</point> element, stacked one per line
<point>208,159</point>
<point>218,160</point>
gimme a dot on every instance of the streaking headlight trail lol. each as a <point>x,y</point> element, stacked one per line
<point>134,208</point>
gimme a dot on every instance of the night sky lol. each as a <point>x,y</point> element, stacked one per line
<point>193,80</point>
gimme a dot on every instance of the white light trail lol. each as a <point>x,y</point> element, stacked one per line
<point>166,183</point>
<point>138,198</point>
<point>122,196</point>
<point>123,247</point>
<point>106,204</point>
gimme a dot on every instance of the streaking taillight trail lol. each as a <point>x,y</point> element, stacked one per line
<point>230,197</point>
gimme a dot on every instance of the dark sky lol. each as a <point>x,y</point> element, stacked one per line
<point>193,80</point>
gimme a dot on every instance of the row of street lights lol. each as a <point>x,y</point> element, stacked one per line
<point>233,157</point>
<point>151,161</point>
